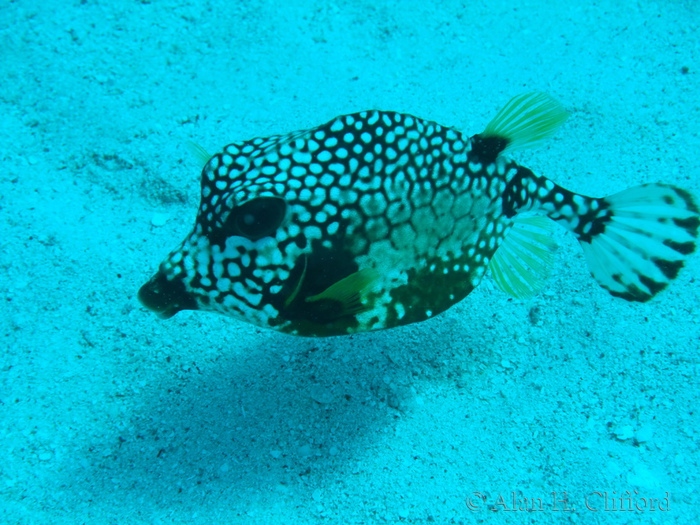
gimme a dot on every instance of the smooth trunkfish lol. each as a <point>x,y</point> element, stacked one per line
<point>380,219</point>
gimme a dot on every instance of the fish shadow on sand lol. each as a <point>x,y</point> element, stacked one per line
<point>279,416</point>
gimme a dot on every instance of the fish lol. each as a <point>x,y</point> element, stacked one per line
<point>379,219</point>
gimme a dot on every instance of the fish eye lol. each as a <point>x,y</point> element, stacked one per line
<point>257,218</point>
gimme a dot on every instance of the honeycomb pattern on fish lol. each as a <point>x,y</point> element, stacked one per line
<point>378,219</point>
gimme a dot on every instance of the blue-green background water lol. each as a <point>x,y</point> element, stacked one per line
<point>109,415</point>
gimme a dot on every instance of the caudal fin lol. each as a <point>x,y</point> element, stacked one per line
<point>640,243</point>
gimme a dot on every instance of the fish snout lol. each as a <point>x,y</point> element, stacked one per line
<point>166,297</point>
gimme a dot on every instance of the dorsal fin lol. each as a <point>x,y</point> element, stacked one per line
<point>526,121</point>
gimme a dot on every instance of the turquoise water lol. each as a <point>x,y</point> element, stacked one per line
<point>109,415</point>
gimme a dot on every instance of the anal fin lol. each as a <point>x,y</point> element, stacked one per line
<point>521,265</point>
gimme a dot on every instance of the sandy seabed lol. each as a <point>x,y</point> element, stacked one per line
<point>565,408</point>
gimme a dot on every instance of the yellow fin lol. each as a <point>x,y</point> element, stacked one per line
<point>350,291</point>
<point>527,120</point>
<point>294,294</point>
<point>523,262</point>
<point>199,153</point>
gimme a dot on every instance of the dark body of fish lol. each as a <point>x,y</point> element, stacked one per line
<point>379,219</point>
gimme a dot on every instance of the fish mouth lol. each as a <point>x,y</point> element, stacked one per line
<point>167,314</point>
<point>165,297</point>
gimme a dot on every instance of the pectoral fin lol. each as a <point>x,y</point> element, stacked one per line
<point>348,294</point>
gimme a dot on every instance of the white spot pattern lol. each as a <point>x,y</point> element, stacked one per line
<point>402,196</point>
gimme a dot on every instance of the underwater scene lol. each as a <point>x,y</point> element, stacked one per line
<point>349,263</point>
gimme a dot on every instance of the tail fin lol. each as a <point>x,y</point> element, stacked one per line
<point>640,243</point>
